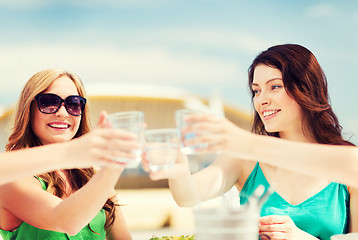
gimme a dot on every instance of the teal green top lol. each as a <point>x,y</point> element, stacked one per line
<point>28,232</point>
<point>322,215</point>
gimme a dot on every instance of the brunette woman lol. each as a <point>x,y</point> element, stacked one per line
<point>289,92</point>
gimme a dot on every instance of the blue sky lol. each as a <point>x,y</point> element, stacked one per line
<point>203,46</point>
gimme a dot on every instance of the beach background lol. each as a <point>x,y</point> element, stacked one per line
<point>170,47</point>
<point>205,47</point>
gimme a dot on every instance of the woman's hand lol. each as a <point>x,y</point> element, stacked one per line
<point>219,134</point>
<point>102,121</point>
<point>276,227</point>
<point>101,145</point>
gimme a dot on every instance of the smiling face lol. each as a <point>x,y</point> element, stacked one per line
<point>277,110</point>
<point>59,126</point>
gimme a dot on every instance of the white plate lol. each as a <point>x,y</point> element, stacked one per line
<point>349,236</point>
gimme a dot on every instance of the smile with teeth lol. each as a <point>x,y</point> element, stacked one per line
<point>60,126</point>
<point>270,113</point>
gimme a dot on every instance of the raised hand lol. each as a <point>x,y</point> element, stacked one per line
<point>101,145</point>
<point>218,133</point>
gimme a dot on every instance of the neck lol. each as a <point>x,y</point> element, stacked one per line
<point>297,137</point>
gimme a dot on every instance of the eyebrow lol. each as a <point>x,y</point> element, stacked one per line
<point>268,81</point>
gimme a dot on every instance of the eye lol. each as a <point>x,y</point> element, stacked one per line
<point>273,87</point>
<point>255,92</point>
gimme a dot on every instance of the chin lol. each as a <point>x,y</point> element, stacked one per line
<point>271,129</point>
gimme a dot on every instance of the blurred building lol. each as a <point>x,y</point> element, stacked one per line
<point>158,104</point>
<point>156,101</point>
<point>151,200</point>
<point>5,116</point>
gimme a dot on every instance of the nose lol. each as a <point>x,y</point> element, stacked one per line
<point>62,112</point>
<point>263,98</point>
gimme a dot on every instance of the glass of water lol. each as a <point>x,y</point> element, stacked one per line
<point>161,148</point>
<point>132,121</point>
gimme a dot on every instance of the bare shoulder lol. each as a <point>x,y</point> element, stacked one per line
<point>353,209</point>
<point>353,191</point>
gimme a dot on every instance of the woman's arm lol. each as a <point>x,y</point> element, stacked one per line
<point>336,163</point>
<point>190,189</point>
<point>30,203</point>
<point>353,210</point>
<point>94,148</point>
<point>119,230</point>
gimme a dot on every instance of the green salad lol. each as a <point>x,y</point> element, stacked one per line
<point>191,237</point>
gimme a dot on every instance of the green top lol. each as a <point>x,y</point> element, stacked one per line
<point>322,215</point>
<point>28,232</point>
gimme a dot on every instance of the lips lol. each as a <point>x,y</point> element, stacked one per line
<point>59,125</point>
<point>267,114</point>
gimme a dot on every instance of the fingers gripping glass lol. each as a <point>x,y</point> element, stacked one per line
<point>49,103</point>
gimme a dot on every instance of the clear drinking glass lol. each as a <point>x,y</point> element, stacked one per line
<point>132,121</point>
<point>161,147</point>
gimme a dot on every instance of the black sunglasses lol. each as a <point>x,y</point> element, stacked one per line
<point>49,103</point>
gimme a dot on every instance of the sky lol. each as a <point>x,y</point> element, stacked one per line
<point>202,46</point>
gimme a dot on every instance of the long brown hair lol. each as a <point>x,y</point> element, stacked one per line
<point>22,135</point>
<point>305,81</point>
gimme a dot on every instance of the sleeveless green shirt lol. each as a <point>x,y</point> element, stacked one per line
<point>28,232</point>
<point>322,215</point>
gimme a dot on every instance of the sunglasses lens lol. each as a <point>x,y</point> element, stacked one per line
<point>75,105</point>
<point>48,103</point>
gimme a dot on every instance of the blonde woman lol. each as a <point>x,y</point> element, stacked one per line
<point>63,203</point>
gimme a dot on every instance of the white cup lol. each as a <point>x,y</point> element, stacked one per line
<point>132,121</point>
<point>348,236</point>
<point>222,224</point>
<point>180,116</point>
<point>161,148</point>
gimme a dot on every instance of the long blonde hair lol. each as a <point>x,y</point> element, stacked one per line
<point>22,135</point>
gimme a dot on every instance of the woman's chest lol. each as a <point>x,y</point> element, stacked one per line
<point>292,187</point>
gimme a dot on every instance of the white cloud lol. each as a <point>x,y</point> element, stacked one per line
<point>222,39</point>
<point>355,18</point>
<point>321,11</point>
<point>171,56</point>
<point>108,64</point>
<point>122,3</point>
<point>195,39</point>
<point>350,130</point>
